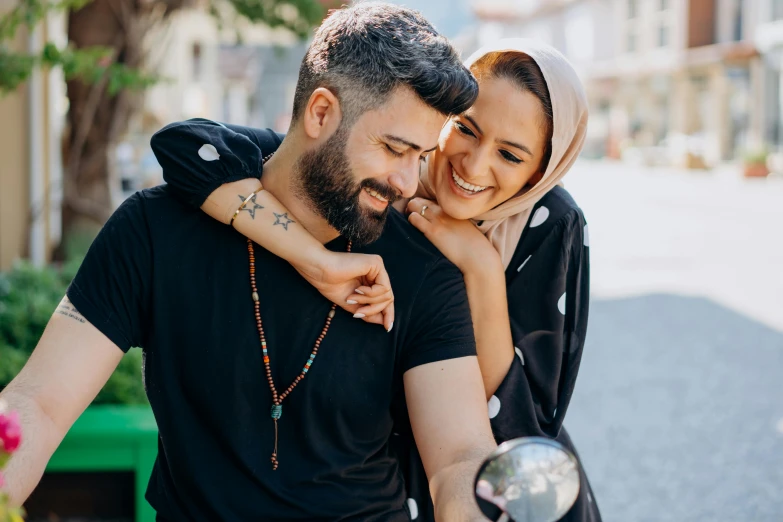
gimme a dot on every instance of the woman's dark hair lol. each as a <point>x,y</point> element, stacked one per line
<point>522,71</point>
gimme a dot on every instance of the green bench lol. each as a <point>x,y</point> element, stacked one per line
<point>112,438</point>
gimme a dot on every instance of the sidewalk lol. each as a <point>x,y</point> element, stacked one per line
<point>677,411</point>
<point>710,234</point>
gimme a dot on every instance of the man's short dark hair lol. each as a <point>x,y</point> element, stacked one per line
<point>364,52</point>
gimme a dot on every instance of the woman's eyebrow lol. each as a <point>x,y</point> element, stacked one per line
<point>504,142</point>
<point>518,146</point>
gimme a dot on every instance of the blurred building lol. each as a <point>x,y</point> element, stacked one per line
<point>581,29</point>
<point>692,82</point>
<point>208,73</point>
<point>768,38</point>
<point>245,74</point>
<point>31,167</point>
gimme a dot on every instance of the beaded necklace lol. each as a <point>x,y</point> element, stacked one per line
<point>277,399</point>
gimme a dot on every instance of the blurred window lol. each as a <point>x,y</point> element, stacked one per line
<point>737,32</point>
<point>665,5</point>
<point>632,8</point>
<point>663,35</point>
<point>777,9</point>
<point>197,62</point>
<point>630,43</point>
<point>579,37</point>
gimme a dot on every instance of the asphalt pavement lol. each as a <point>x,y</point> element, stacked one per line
<point>678,409</point>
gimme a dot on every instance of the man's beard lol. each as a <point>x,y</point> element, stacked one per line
<point>327,183</point>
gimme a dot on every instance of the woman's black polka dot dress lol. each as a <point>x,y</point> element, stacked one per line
<point>548,289</point>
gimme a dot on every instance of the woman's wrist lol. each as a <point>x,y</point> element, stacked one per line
<point>485,282</point>
<point>313,258</point>
<point>483,265</point>
<point>223,203</point>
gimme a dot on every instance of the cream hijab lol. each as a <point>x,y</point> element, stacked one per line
<point>503,225</point>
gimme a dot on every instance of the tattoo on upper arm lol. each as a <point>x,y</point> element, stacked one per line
<point>283,220</point>
<point>67,309</point>
<point>251,209</point>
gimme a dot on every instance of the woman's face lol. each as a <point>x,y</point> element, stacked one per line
<point>487,154</point>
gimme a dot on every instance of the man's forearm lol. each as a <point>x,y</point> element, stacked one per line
<point>452,489</point>
<point>39,440</point>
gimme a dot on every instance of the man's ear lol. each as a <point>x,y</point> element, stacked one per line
<point>322,114</point>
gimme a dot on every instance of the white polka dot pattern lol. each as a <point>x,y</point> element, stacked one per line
<point>523,264</point>
<point>519,354</point>
<point>208,152</point>
<point>413,507</point>
<point>494,407</point>
<point>539,217</point>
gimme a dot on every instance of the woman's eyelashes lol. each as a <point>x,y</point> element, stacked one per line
<point>510,157</point>
<point>506,155</point>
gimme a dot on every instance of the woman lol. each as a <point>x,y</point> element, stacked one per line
<point>490,200</point>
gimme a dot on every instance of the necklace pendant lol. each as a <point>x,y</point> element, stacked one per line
<point>277,411</point>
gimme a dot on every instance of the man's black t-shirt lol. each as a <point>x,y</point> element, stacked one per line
<point>166,277</point>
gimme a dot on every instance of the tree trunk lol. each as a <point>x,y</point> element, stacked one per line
<point>87,198</point>
<point>97,119</point>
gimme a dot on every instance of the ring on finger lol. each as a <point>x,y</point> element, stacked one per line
<point>423,209</point>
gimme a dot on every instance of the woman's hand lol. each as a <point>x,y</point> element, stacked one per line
<point>459,240</point>
<point>357,283</point>
<point>485,281</point>
<point>335,275</point>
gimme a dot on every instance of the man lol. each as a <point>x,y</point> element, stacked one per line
<point>271,404</point>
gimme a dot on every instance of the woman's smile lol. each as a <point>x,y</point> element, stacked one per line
<point>462,188</point>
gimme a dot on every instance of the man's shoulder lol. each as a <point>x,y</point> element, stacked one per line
<point>407,243</point>
<point>155,208</point>
<point>152,200</point>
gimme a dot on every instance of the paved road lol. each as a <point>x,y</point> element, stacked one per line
<point>678,410</point>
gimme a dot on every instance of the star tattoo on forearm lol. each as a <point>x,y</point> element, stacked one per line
<point>283,220</point>
<point>248,208</point>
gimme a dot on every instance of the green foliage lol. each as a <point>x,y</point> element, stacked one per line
<point>126,385</point>
<point>756,156</point>
<point>94,63</point>
<point>298,16</point>
<point>89,64</point>
<point>14,69</point>
<point>28,296</point>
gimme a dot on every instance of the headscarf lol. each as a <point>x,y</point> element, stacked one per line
<point>503,225</point>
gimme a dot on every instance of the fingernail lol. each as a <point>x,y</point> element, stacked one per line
<point>390,327</point>
<point>351,301</point>
<point>358,316</point>
<point>358,292</point>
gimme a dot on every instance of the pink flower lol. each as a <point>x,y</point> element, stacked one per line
<point>10,431</point>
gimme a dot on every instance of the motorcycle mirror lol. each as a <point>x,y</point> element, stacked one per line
<point>531,479</point>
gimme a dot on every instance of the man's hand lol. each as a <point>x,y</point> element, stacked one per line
<point>358,283</point>
<point>335,275</point>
